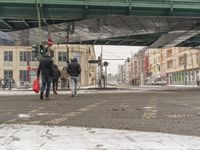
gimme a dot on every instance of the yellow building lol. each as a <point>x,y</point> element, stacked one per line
<point>177,65</point>
<point>181,65</point>
<point>19,62</point>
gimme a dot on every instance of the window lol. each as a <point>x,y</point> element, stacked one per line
<point>169,53</point>
<point>8,74</point>
<point>23,56</point>
<point>181,61</point>
<point>32,57</point>
<point>175,64</point>
<point>8,56</point>
<point>27,56</point>
<point>170,64</point>
<point>23,75</point>
<point>62,56</point>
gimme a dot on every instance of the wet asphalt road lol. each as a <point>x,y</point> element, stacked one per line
<point>176,112</point>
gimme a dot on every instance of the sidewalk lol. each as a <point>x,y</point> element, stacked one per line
<point>110,89</point>
<point>32,137</point>
<point>161,88</point>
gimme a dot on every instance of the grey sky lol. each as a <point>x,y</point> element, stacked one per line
<point>116,52</point>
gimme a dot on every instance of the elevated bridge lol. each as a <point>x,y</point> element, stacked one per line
<point>155,23</point>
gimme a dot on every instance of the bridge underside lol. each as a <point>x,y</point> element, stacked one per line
<point>155,23</point>
<point>119,30</point>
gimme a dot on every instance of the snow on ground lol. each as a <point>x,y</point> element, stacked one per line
<point>35,137</point>
<point>29,92</point>
<point>85,90</point>
<point>32,137</point>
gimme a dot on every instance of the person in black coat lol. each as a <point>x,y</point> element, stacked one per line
<point>56,77</point>
<point>74,69</point>
<point>46,68</point>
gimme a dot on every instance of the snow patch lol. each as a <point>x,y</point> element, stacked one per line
<point>24,116</point>
<point>35,137</point>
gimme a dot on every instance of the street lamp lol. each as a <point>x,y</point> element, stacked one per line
<point>105,79</point>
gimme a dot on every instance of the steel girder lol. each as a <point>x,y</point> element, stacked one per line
<point>127,16</point>
<point>22,14</point>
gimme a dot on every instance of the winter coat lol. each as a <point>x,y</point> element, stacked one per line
<point>46,67</point>
<point>64,74</point>
<point>74,69</point>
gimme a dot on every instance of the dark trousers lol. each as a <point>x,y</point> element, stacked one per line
<point>46,85</point>
<point>55,84</point>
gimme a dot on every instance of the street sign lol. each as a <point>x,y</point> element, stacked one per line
<point>93,61</point>
<point>28,68</point>
<point>50,42</point>
<point>105,63</point>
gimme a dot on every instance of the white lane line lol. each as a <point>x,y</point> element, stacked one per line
<point>64,117</point>
<point>26,116</point>
<point>150,112</point>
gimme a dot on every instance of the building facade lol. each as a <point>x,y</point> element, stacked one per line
<point>176,66</point>
<point>154,64</point>
<point>120,73</point>
<point>181,65</point>
<point>19,62</point>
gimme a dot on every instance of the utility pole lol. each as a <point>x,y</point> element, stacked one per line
<point>69,30</point>
<point>105,76</point>
<point>192,67</point>
<point>199,64</point>
<point>142,73</point>
<point>185,64</point>
<point>67,59</point>
<point>131,68</point>
<point>100,68</point>
<point>39,26</point>
<point>67,38</point>
<point>28,65</point>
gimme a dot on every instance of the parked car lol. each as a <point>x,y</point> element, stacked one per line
<point>150,82</point>
<point>161,83</point>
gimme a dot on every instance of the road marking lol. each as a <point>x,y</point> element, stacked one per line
<point>185,105</point>
<point>35,110</point>
<point>150,112</point>
<point>30,113</point>
<point>76,113</point>
<point>178,115</point>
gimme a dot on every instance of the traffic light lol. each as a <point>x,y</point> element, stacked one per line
<point>128,59</point>
<point>43,50</point>
<point>35,50</point>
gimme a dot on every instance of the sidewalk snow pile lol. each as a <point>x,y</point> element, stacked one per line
<point>11,93</point>
<point>32,137</point>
